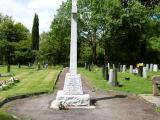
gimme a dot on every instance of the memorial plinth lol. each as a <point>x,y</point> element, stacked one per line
<point>72,95</point>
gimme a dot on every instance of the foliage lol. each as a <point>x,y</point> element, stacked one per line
<point>14,41</point>
<point>35,33</point>
<point>108,31</point>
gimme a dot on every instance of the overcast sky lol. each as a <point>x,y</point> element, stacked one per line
<point>23,11</point>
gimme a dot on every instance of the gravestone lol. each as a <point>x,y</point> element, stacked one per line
<point>156,85</point>
<point>106,74</point>
<point>135,71</point>
<point>145,72</point>
<point>131,69</point>
<point>113,77</point>
<point>108,66</point>
<point>72,95</point>
<point>124,68</point>
<point>151,67</point>
<point>147,66</point>
<point>155,68</point>
<point>113,66</point>
<point>121,68</point>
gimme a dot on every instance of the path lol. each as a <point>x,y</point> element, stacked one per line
<point>108,107</point>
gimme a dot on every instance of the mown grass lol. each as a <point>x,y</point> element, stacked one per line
<point>5,116</point>
<point>136,84</point>
<point>31,81</point>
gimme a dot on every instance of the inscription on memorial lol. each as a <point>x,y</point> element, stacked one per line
<point>72,85</point>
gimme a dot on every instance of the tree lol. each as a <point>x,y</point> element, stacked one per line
<point>12,35</point>
<point>35,33</point>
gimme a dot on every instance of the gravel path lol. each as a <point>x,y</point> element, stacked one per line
<point>108,107</point>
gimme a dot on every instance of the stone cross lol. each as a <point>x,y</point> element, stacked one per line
<point>73,47</point>
<point>72,94</point>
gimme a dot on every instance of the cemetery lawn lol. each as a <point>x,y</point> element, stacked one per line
<point>136,84</point>
<point>31,81</point>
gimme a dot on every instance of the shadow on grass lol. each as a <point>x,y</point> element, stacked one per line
<point>93,101</point>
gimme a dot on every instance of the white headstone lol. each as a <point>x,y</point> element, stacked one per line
<point>108,65</point>
<point>155,68</point>
<point>72,94</point>
<point>145,72</point>
<point>151,67</point>
<point>124,68</point>
<point>131,69</point>
<point>147,66</point>
<point>135,71</point>
<point>111,76</point>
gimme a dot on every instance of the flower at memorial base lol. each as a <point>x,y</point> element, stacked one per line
<point>140,65</point>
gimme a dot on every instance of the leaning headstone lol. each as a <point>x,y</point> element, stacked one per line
<point>124,68</point>
<point>151,67</point>
<point>131,69</point>
<point>145,72</point>
<point>155,68</point>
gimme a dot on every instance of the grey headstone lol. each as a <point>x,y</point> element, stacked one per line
<point>121,68</point>
<point>145,72</point>
<point>113,77</point>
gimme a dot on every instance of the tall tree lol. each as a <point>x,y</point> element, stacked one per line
<point>35,33</point>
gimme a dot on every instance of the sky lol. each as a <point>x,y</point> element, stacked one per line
<point>23,11</point>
